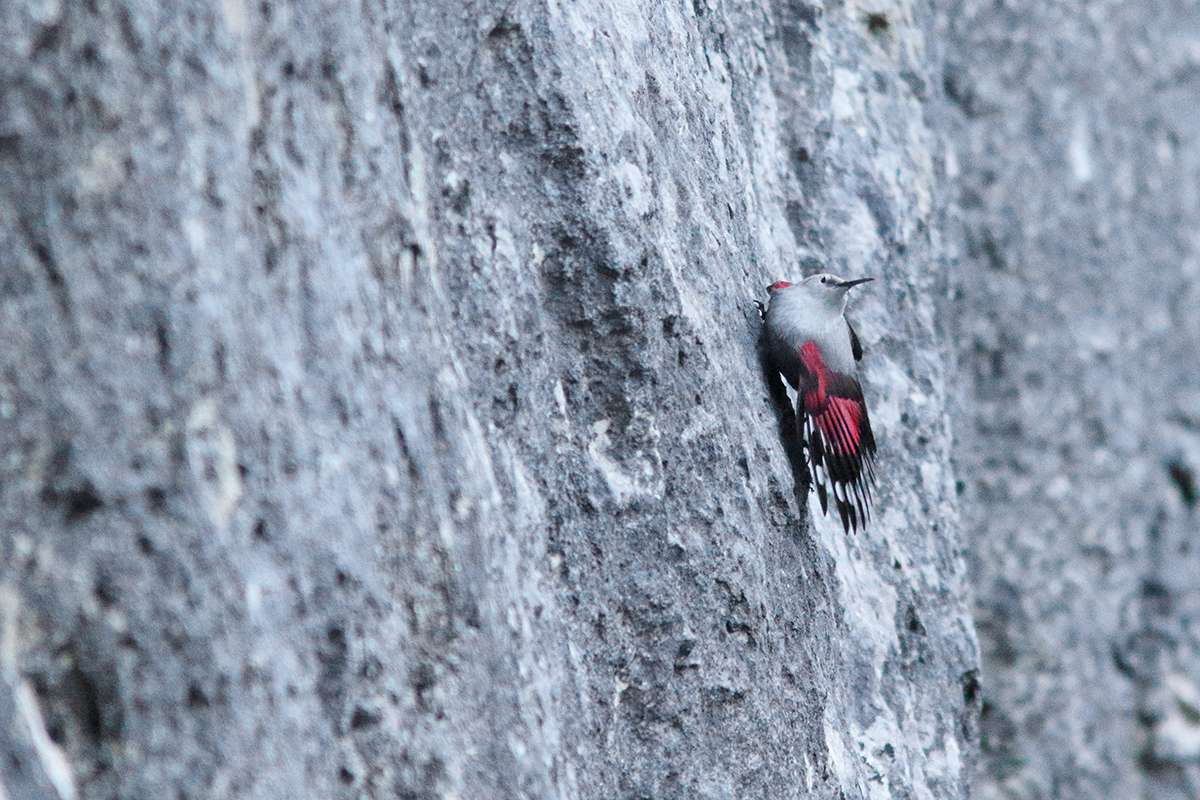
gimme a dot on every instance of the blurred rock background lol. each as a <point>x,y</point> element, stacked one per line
<point>1074,151</point>
<point>381,414</point>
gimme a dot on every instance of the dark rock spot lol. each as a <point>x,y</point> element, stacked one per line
<point>105,590</point>
<point>332,656</point>
<point>957,87</point>
<point>196,698</point>
<point>1185,482</point>
<point>970,686</point>
<point>80,503</point>
<point>156,499</point>
<point>362,719</point>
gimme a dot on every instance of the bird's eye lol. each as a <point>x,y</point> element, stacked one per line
<point>823,280</point>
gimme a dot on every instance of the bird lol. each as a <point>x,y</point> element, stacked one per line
<point>812,345</point>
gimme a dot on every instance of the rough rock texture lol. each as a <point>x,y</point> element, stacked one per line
<point>1076,145</point>
<point>381,415</point>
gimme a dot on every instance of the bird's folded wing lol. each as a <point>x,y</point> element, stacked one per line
<point>841,448</point>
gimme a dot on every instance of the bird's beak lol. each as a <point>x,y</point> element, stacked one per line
<point>848,284</point>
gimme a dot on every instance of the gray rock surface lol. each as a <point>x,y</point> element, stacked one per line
<point>1077,318</point>
<point>381,415</point>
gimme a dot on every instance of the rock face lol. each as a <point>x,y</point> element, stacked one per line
<point>1077,317</point>
<point>381,414</point>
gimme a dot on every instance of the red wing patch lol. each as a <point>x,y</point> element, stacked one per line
<point>839,424</point>
<point>837,436</point>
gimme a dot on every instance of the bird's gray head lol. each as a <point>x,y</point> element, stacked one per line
<point>831,282</point>
<point>822,287</point>
<point>830,288</point>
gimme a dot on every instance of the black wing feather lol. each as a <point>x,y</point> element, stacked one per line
<point>855,344</point>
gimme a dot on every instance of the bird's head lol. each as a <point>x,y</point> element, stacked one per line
<point>830,288</point>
